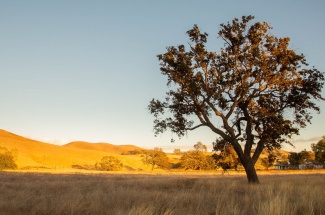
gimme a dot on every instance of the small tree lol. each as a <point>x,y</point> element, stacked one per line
<point>255,93</point>
<point>200,147</point>
<point>269,161</point>
<point>296,158</point>
<point>177,152</point>
<point>109,163</point>
<point>225,156</point>
<point>197,160</point>
<point>156,158</point>
<point>157,149</point>
<point>319,150</point>
<point>7,158</point>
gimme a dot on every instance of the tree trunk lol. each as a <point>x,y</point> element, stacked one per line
<point>250,171</point>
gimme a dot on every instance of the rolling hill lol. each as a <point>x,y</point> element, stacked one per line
<point>32,153</point>
<point>103,147</point>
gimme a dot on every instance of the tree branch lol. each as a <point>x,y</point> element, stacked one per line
<point>238,125</point>
<point>250,136</point>
<point>258,150</point>
<point>195,127</point>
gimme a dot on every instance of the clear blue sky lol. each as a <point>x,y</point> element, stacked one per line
<point>86,70</point>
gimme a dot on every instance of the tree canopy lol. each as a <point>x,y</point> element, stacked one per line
<point>227,157</point>
<point>296,158</point>
<point>256,92</point>
<point>197,160</point>
<point>319,150</point>
<point>200,147</point>
<point>156,158</point>
<point>109,163</point>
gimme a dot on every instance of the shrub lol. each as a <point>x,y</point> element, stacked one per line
<point>226,158</point>
<point>7,159</point>
<point>177,152</point>
<point>156,158</point>
<point>109,163</point>
<point>197,160</point>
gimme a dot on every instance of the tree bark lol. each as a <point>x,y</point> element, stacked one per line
<point>250,171</point>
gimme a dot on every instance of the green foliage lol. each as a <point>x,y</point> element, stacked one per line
<point>156,158</point>
<point>242,93</point>
<point>319,150</point>
<point>109,163</point>
<point>197,160</point>
<point>7,158</point>
<point>200,147</point>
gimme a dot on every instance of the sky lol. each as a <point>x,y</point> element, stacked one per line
<point>87,70</point>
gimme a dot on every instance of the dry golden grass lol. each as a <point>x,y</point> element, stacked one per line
<point>31,193</point>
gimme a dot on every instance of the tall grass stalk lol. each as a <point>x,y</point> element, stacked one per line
<point>30,193</point>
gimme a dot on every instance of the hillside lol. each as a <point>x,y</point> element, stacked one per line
<point>32,153</point>
<point>103,147</point>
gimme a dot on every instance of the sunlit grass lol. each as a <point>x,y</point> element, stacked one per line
<point>43,193</point>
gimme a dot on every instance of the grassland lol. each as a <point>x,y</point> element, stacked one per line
<point>44,193</point>
<point>52,186</point>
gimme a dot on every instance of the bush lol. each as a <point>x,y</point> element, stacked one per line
<point>227,158</point>
<point>109,163</point>
<point>177,152</point>
<point>84,167</point>
<point>131,152</point>
<point>156,158</point>
<point>197,160</point>
<point>7,159</point>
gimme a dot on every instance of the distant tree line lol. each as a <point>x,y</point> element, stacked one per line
<point>223,157</point>
<point>196,159</point>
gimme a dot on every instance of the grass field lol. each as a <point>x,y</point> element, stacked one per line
<point>45,193</point>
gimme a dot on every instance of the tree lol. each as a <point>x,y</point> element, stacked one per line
<point>197,160</point>
<point>226,157</point>
<point>157,149</point>
<point>200,147</point>
<point>296,158</point>
<point>109,163</point>
<point>177,152</point>
<point>269,161</point>
<point>7,158</point>
<point>156,158</point>
<point>255,93</point>
<point>319,150</point>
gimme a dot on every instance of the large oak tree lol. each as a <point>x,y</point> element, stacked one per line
<point>258,88</point>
